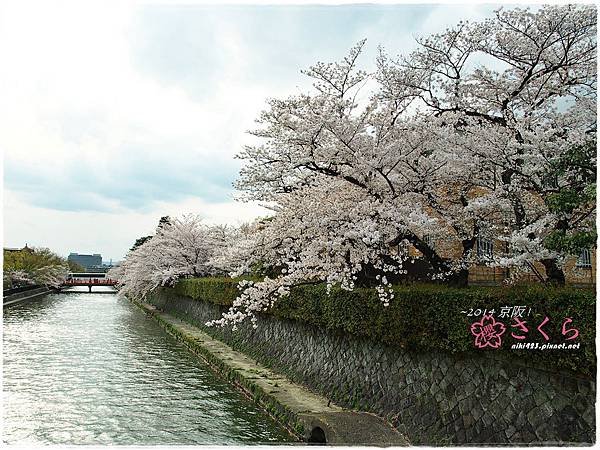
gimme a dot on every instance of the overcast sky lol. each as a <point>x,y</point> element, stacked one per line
<point>113,116</point>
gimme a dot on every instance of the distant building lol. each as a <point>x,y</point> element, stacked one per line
<point>24,249</point>
<point>87,261</point>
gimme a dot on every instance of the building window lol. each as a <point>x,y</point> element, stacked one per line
<point>585,259</point>
<point>485,247</point>
<point>428,239</point>
<point>403,249</point>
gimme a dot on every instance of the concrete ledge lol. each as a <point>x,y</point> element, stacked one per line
<point>24,296</point>
<point>306,415</point>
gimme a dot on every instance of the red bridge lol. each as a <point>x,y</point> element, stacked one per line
<point>89,280</point>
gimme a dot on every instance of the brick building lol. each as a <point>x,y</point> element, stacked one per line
<point>579,271</point>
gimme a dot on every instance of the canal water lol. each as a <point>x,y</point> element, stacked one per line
<point>85,368</point>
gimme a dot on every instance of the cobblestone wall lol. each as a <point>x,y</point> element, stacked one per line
<point>432,398</point>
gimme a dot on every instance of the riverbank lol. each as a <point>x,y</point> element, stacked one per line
<point>310,417</point>
<point>23,296</point>
<point>431,397</point>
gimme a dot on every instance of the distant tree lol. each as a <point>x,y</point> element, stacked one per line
<point>164,220</point>
<point>181,247</point>
<point>140,241</point>
<point>40,266</point>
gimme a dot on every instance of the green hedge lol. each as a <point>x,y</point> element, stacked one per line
<point>221,291</point>
<point>424,317</point>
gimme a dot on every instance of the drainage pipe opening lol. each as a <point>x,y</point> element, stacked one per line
<point>317,436</point>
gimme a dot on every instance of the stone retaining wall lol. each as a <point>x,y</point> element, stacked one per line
<point>432,398</point>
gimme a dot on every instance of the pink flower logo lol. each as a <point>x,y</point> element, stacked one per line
<point>488,332</point>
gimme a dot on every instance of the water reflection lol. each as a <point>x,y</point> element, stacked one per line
<point>93,369</point>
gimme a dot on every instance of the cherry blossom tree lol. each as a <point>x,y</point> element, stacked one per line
<point>400,164</point>
<point>51,275</point>
<point>463,141</point>
<point>520,90</point>
<point>470,136</point>
<point>329,233</point>
<point>12,278</point>
<point>181,247</point>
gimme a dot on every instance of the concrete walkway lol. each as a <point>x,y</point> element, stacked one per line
<point>308,416</point>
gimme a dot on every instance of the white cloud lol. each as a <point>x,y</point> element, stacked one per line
<point>70,91</point>
<point>74,101</point>
<point>107,233</point>
<point>82,123</point>
<point>75,109</point>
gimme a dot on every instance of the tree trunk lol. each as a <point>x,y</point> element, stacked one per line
<point>437,263</point>
<point>459,278</point>
<point>554,274</point>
